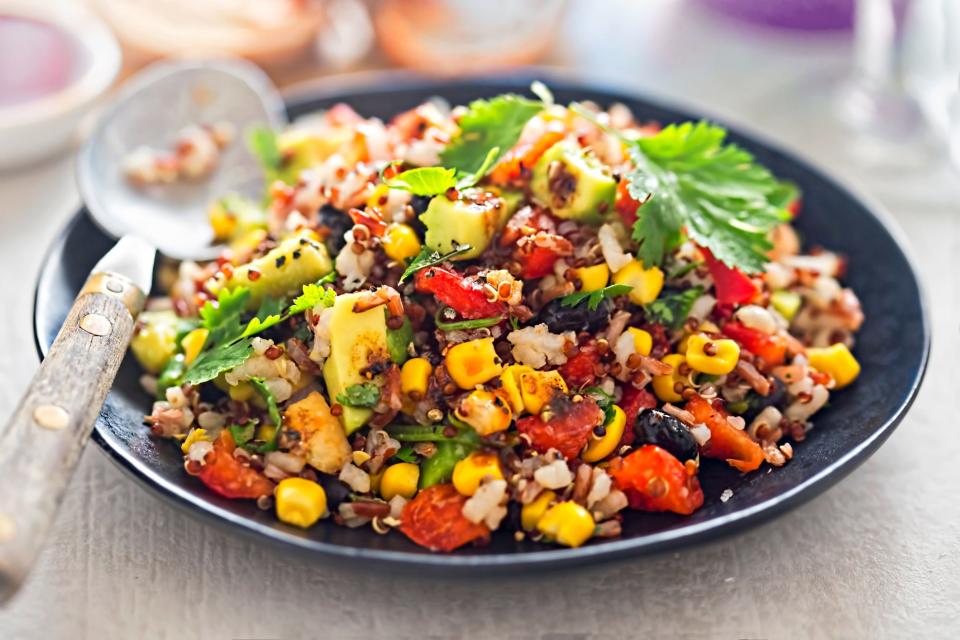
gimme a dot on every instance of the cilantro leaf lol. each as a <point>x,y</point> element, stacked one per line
<point>242,433</point>
<point>672,310</point>
<point>594,298</point>
<point>424,181</point>
<point>689,179</point>
<point>429,258</point>
<point>365,394</point>
<point>222,318</point>
<point>273,412</point>
<point>406,454</point>
<point>605,401</point>
<point>215,361</point>
<point>313,294</point>
<point>497,122</point>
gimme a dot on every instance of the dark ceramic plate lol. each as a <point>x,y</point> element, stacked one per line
<point>892,348</point>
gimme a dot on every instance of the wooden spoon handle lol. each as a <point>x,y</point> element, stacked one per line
<point>40,445</point>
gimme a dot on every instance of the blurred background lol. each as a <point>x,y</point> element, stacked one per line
<point>872,82</point>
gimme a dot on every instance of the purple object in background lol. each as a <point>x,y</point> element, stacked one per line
<point>810,15</point>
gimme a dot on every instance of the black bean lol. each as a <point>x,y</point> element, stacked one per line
<point>336,491</point>
<point>559,318</point>
<point>663,430</point>
<point>338,223</point>
<point>757,403</point>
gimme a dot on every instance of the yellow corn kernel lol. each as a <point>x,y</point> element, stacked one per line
<point>725,354</point>
<point>600,448</point>
<point>266,432</point>
<point>537,387</point>
<point>300,502</point>
<point>510,381</point>
<point>530,514</point>
<point>472,363</point>
<point>359,457</point>
<point>646,283</point>
<point>400,480</point>
<point>470,472</point>
<point>486,411</point>
<point>642,341</point>
<point>567,523</point>
<point>664,386</point>
<point>194,436</point>
<point>242,391</point>
<point>835,360</point>
<point>593,278</point>
<point>382,191</point>
<point>415,376</point>
<point>222,221</point>
<point>192,344</point>
<point>401,242</point>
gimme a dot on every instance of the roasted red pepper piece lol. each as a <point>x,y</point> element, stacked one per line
<point>464,295</point>
<point>519,160</point>
<point>794,208</point>
<point>633,401</point>
<point>568,426</point>
<point>580,369</point>
<point>228,476</point>
<point>732,286</point>
<point>726,441</point>
<point>538,253</point>
<point>434,520</point>
<point>654,480</point>
<point>772,349</point>
<point>625,205</point>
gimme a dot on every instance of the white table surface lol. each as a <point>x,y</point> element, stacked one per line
<point>876,556</point>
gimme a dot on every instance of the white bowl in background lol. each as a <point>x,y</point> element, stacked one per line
<point>41,126</point>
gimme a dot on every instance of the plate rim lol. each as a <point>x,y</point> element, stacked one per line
<point>379,81</point>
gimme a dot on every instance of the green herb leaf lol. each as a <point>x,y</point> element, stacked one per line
<point>479,323</point>
<point>365,394</point>
<point>497,122</point>
<point>406,454</point>
<point>212,363</point>
<point>682,270</point>
<point>313,295</point>
<point>424,181</point>
<point>672,310</point>
<point>242,433</point>
<point>594,298</point>
<point>273,412</point>
<point>470,179</point>
<point>605,401</point>
<point>429,258</point>
<point>222,318</point>
<point>690,180</point>
<point>263,145</point>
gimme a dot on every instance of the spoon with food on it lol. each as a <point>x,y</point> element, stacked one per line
<point>158,156</point>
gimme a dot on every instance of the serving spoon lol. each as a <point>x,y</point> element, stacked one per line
<point>41,443</point>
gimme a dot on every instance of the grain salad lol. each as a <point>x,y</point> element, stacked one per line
<point>512,318</point>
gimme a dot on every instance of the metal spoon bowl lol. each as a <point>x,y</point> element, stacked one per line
<point>149,111</point>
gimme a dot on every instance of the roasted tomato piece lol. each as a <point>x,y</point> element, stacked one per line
<point>580,369</point>
<point>567,427</point>
<point>538,253</point>
<point>434,520</point>
<point>228,476</point>
<point>654,480</point>
<point>464,295</point>
<point>772,349</point>
<point>625,205</point>
<point>633,401</point>
<point>518,161</point>
<point>732,285</point>
<point>726,441</point>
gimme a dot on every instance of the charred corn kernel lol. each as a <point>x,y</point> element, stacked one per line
<point>510,384</point>
<point>222,221</point>
<point>593,278</point>
<point>835,360</point>
<point>400,480</point>
<point>241,392</point>
<point>359,457</point>
<point>401,242</point>
<point>600,448</point>
<point>300,502</point>
<point>530,514</point>
<point>415,376</point>
<point>266,432</point>
<point>192,344</point>
<point>537,387</point>
<point>716,357</point>
<point>194,436</point>
<point>567,523</point>
<point>486,411</point>
<point>787,303</point>
<point>665,386</point>
<point>472,363</point>
<point>246,242</point>
<point>470,472</point>
<point>642,341</point>
<point>646,283</point>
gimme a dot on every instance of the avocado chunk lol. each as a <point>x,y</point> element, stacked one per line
<point>282,271</point>
<point>573,183</point>
<point>473,219</point>
<point>357,342</point>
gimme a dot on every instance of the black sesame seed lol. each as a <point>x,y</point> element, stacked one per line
<point>296,254</point>
<point>280,261</point>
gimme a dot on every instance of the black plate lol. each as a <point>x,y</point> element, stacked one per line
<point>892,347</point>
